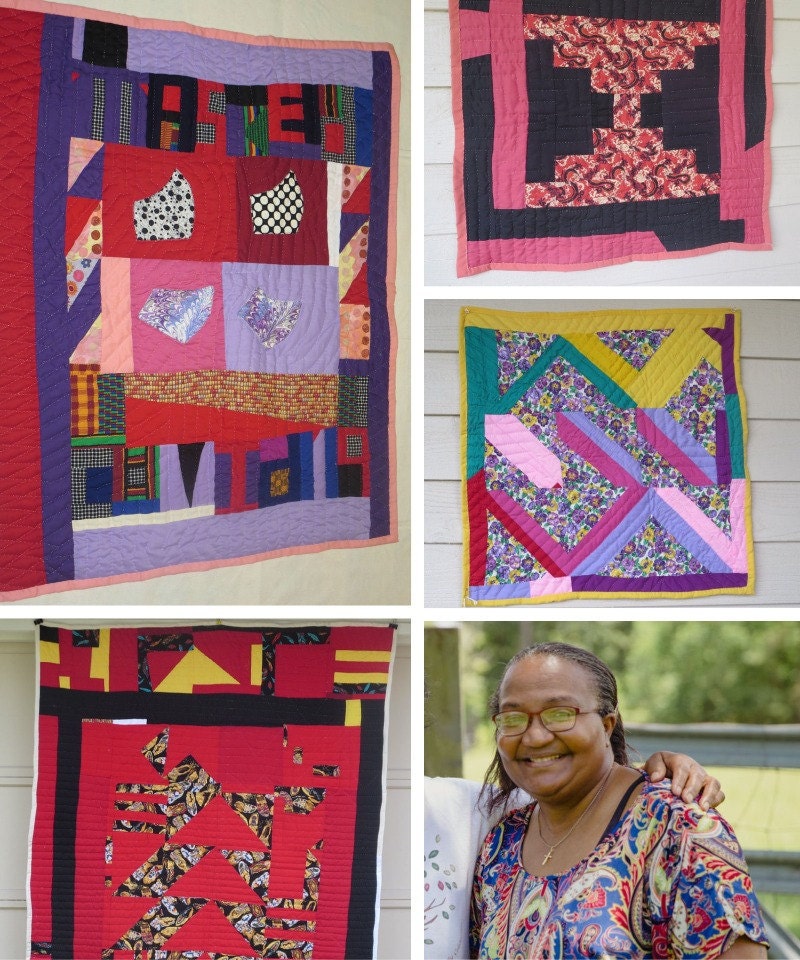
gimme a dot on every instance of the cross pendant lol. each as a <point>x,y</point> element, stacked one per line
<point>550,854</point>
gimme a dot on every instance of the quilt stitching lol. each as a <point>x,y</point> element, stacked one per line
<point>144,181</point>
<point>604,456</point>
<point>641,134</point>
<point>240,821</point>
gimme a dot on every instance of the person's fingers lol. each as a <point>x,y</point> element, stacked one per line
<point>712,794</point>
<point>656,767</point>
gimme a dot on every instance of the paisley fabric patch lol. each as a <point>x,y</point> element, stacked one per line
<point>179,314</point>
<point>167,214</point>
<point>280,209</point>
<point>271,320</point>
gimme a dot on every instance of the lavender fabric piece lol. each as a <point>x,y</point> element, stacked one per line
<point>172,492</point>
<point>226,61</point>
<point>120,550</point>
<point>180,314</point>
<point>313,346</point>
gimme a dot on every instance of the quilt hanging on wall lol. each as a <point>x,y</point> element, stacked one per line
<point>604,455</point>
<point>594,132</point>
<point>208,793</point>
<point>199,346</point>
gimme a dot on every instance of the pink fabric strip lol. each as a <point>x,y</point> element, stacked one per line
<point>510,92</point>
<point>589,450</point>
<point>522,449</point>
<point>733,550</point>
<point>670,451</point>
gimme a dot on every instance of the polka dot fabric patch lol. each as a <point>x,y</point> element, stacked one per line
<point>279,210</point>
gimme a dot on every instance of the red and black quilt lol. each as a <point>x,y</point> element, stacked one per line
<point>208,792</point>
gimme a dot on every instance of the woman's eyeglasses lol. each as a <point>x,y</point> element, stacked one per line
<point>512,723</point>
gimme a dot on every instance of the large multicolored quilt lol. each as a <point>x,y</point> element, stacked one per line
<point>199,348</point>
<point>594,132</point>
<point>604,455</point>
<point>208,793</point>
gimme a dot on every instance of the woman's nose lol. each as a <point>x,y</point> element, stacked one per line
<point>537,732</point>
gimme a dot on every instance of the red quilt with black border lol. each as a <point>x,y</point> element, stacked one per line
<point>208,792</point>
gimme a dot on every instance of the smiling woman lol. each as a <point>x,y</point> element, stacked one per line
<point>602,861</point>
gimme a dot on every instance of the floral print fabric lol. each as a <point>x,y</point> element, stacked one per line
<point>666,880</point>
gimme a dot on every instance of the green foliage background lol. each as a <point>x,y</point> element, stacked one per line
<point>667,672</point>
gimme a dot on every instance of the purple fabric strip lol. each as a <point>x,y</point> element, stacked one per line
<point>121,550</point>
<point>57,332</point>
<point>234,130</point>
<point>680,583</point>
<point>724,470</point>
<point>77,38</point>
<point>675,524</point>
<point>311,151</point>
<point>380,332</point>
<point>614,451</point>
<point>501,591</point>
<point>226,61</point>
<point>684,440</point>
<point>616,540</point>
<point>725,338</point>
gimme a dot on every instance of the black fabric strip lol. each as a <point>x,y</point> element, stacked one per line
<point>363,880</point>
<point>64,831</point>
<point>755,89</point>
<point>695,10</point>
<point>229,710</point>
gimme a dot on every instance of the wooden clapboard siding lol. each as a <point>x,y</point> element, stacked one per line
<point>771,373</point>
<point>778,266</point>
<point>17,693</point>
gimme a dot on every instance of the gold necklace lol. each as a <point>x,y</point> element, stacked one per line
<point>574,826</point>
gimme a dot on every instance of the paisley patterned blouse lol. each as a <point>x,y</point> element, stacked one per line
<point>666,880</point>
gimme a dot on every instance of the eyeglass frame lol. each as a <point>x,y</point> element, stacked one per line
<point>539,713</point>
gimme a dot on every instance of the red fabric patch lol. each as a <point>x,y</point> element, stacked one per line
<point>134,173</point>
<point>149,423</point>
<point>359,201</point>
<point>171,99</point>
<point>20,478</point>
<point>256,175</point>
<point>334,137</point>
<point>284,105</point>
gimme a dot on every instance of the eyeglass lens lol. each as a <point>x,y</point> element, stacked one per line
<point>554,719</point>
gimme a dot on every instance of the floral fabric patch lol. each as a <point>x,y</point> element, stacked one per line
<point>604,456</point>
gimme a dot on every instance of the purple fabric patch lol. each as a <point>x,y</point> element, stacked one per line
<point>313,346</point>
<point>274,448</point>
<point>225,61</point>
<point>224,537</point>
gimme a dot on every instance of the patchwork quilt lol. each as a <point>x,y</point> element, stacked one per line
<point>604,455</point>
<point>594,132</point>
<point>199,347</point>
<point>208,793</point>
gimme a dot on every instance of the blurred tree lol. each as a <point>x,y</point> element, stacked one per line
<point>667,672</point>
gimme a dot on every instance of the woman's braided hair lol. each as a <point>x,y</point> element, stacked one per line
<point>497,785</point>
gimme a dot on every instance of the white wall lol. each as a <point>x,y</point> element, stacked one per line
<point>771,373</point>
<point>778,266</point>
<point>17,690</point>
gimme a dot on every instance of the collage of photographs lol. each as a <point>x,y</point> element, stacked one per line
<point>400,480</point>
